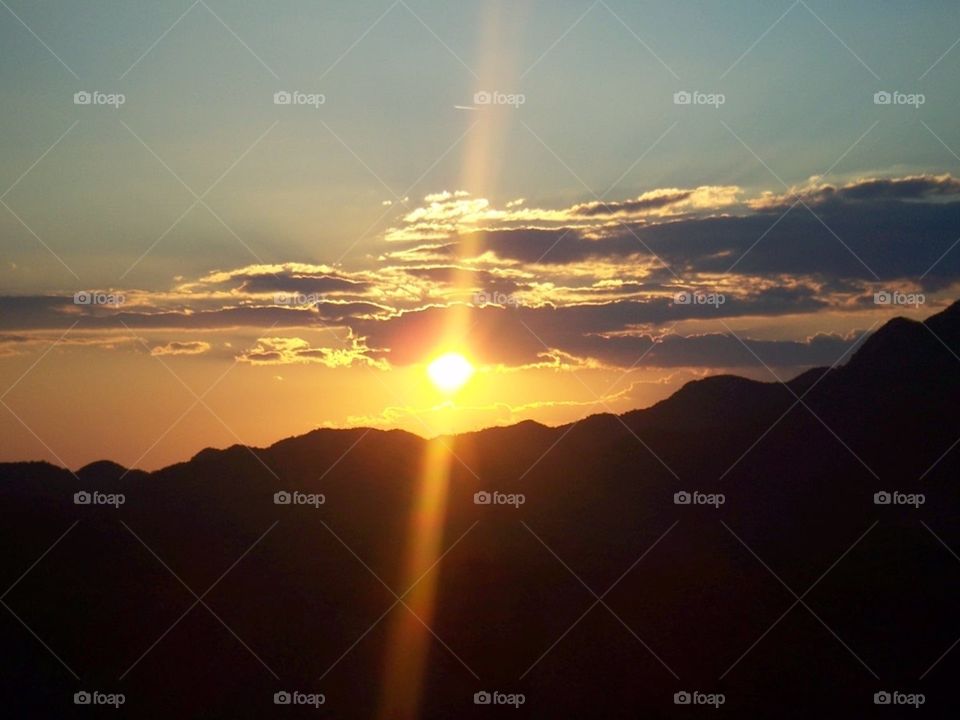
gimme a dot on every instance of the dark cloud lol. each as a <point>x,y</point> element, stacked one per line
<point>481,279</point>
<point>718,351</point>
<point>512,336</point>
<point>302,284</point>
<point>864,240</point>
<point>519,336</point>
<point>918,187</point>
<point>46,312</point>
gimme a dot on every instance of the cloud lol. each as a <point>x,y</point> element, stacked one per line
<point>193,347</point>
<point>866,241</point>
<point>12,345</point>
<point>446,214</point>
<point>912,187</point>
<point>585,285</point>
<point>45,312</point>
<point>866,231</point>
<point>704,197</point>
<point>302,284</point>
<point>606,334</point>
<point>322,281</point>
<point>717,350</point>
<point>295,350</point>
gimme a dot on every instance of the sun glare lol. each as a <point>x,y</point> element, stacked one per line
<point>450,372</point>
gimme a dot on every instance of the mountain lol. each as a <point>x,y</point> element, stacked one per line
<point>599,596</point>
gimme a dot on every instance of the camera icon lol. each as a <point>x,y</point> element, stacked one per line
<point>882,498</point>
<point>82,298</point>
<point>482,98</point>
<point>682,97</point>
<point>882,698</point>
<point>82,698</point>
<point>282,698</point>
<point>82,98</point>
<point>482,698</point>
<point>682,498</point>
<point>882,298</point>
<point>482,498</point>
<point>882,97</point>
<point>282,97</point>
<point>282,498</point>
<point>82,498</point>
<point>682,698</point>
<point>682,298</point>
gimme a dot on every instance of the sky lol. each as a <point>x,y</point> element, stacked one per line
<point>232,222</point>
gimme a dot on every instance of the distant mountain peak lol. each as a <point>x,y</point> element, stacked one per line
<point>952,311</point>
<point>946,321</point>
<point>101,466</point>
<point>902,344</point>
<point>103,470</point>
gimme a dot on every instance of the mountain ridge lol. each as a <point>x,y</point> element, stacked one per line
<point>707,402</point>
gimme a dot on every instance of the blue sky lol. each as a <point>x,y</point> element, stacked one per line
<point>597,95</point>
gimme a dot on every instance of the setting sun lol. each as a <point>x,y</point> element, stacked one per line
<point>450,372</point>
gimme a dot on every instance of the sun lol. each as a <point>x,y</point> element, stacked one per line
<point>450,372</point>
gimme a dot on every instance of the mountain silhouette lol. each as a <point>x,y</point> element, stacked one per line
<point>799,596</point>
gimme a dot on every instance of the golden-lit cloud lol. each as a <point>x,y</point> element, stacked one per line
<point>816,191</point>
<point>192,347</point>
<point>295,350</point>
<point>447,214</point>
